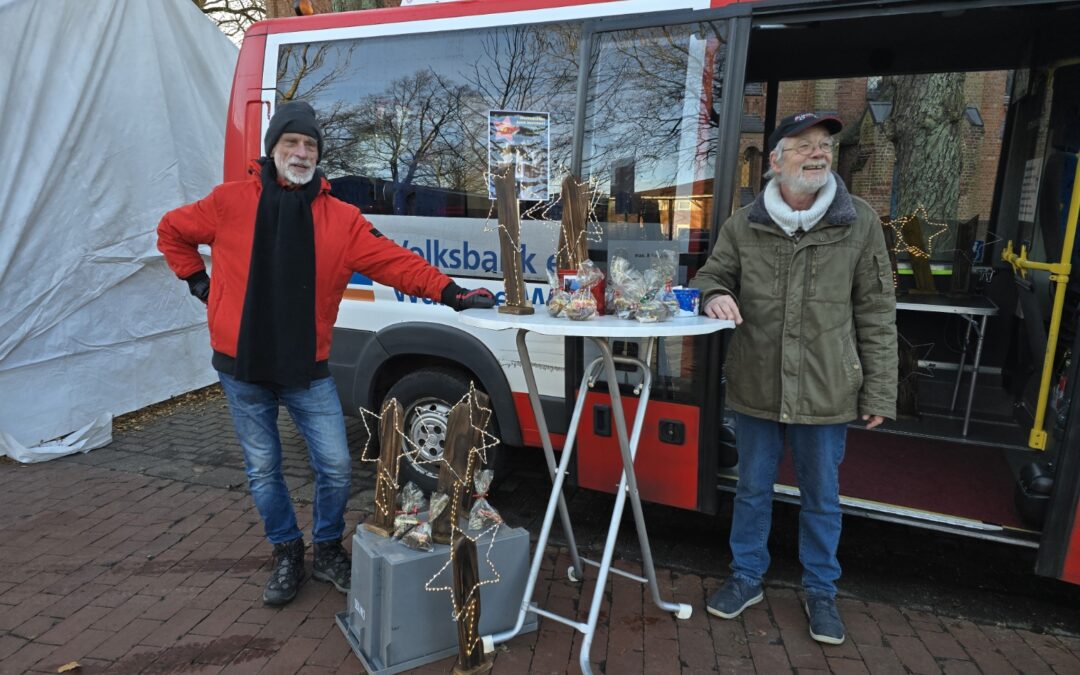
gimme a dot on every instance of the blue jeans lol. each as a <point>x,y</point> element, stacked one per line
<point>817,450</point>
<point>317,414</point>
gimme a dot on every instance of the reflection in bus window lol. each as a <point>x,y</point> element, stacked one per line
<point>650,144</point>
<point>651,131</point>
<point>410,136</point>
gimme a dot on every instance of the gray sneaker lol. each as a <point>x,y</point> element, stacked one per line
<point>825,623</point>
<point>733,597</point>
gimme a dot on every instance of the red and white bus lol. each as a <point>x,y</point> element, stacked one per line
<point>962,114</point>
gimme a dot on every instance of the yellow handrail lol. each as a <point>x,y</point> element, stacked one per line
<point>1059,274</point>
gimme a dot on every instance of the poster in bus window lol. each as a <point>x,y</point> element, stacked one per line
<point>522,138</point>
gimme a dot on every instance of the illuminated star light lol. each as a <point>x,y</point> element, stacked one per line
<point>900,245</point>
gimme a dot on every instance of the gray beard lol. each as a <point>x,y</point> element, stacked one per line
<point>299,178</point>
<point>799,185</point>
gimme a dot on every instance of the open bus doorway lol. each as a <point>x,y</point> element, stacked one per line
<point>979,151</point>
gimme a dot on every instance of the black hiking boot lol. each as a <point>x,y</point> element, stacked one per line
<point>331,564</point>
<point>287,574</point>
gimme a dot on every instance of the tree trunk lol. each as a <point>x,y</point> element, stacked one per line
<point>924,127</point>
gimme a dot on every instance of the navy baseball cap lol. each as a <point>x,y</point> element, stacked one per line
<point>793,125</point>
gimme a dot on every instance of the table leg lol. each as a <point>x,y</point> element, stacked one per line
<point>974,371</point>
<point>963,358</point>
<point>556,501</point>
<point>545,441</point>
<point>627,484</point>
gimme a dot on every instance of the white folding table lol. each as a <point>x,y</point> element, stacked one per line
<point>967,308</point>
<point>599,330</point>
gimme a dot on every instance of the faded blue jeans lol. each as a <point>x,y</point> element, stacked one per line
<point>317,414</point>
<point>817,450</point>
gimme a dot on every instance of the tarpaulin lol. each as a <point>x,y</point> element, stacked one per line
<point>113,113</point>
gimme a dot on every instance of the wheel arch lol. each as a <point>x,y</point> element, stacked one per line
<point>405,347</point>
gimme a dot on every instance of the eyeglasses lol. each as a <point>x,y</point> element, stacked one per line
<point>806,147</point>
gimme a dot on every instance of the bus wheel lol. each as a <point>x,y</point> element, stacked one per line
<point>426,397</point>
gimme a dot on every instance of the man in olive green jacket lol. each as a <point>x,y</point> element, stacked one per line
<point>804,273</point>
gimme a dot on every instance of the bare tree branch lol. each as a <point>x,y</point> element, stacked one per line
<point>233,16</point>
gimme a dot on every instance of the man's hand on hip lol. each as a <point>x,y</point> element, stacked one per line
<point>199,285</point>
<point>723,306</point>
<point>872,420</point>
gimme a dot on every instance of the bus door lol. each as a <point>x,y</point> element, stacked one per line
<point>962,124</point>
<point>659,119</point>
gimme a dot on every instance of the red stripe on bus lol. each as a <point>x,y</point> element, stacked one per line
<point>530,434</point>
<point>1070,571</point>
<point>667,473</point>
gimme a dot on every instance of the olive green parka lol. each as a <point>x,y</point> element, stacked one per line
<point>818,340</point>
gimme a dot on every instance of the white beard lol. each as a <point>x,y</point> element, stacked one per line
<point>299,178</point>
<point>799,185</point>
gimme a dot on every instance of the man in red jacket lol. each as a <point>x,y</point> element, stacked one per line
<point>283,251</point>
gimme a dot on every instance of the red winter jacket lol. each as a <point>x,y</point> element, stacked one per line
<point>344,243</point>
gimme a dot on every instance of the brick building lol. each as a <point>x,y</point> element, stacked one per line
<point>866,159</point>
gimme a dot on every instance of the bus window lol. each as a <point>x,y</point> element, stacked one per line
<point>650,150</point>
<point>410,137</point>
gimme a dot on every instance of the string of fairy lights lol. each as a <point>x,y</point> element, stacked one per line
<point>541,211</point>
<point>919,215</point>
<point>467,609</point>
<point>386,482</point>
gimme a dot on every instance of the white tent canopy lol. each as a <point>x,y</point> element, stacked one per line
<point>113,112</point>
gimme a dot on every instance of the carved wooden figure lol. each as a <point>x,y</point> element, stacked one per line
<point>381,521</point>
<point>471,657</point>
<point>573,249</point>
<point>463,433</point>
<point>517,300</point>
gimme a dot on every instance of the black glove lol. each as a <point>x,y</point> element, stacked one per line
<point>457,298</point>
<point>199,285</point>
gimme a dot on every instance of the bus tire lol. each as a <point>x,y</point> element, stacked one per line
<point>426,397</point>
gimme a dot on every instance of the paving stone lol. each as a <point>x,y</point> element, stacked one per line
<point>139,558</point>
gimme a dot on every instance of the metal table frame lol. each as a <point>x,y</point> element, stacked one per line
<point>599,330</point>
<point>967,308</point>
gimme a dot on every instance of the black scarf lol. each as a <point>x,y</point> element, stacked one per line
<point>276,347</point>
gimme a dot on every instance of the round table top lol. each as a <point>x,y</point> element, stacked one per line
<point>598,326</point>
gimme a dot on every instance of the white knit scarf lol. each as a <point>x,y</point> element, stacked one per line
<point>791,220</point>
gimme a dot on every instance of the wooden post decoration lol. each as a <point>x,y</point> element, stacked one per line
<point>912,232</point>
<point>909,237</point>
<point>890,243</point>
<point>381,521</point>
<point>907,390</point>
<point>466,593</point>
<point>573,249</point>
<point>962,262</point>
<point>517,300</point>
<point>464,432</point>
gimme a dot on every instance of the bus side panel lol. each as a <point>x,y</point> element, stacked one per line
<point>530,434</point>
<point>667,472</point>
<point>243,128</point>
<point>1071,570</point>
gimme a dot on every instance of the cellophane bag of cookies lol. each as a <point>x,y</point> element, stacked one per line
<point>419,537</point>
<point>558,298</point>
<point>482,512</point>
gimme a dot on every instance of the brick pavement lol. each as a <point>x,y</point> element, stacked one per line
<point>147,557</point>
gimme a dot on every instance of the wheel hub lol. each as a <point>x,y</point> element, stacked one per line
<point>425,425</point>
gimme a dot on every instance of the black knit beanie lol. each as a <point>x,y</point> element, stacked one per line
<point>297,117</point>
